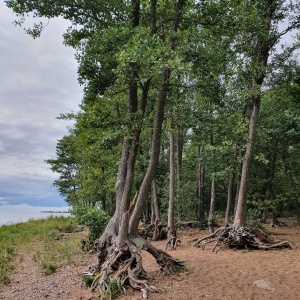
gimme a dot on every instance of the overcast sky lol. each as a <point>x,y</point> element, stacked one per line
<point>38,81</point>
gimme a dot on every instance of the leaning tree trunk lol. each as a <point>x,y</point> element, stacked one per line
<point>240,214</point>
<point>120,245</point>
<point>155,145</point>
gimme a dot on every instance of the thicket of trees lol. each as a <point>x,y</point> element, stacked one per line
<point>190,109</point>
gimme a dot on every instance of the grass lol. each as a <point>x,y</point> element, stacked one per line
<point>47,240</point>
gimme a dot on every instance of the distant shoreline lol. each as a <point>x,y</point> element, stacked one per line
<point>54,212</point>
<point>14,217</point>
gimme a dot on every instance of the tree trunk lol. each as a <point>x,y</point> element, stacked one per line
<point>120,245</point>
<point>200,181</point>
<point>229,198</point>
<point>297,210</point>
<point>210,221</point>
<point>171,223</point>
<point>155,144</point>
<point>240,220</point>
<point>179,147</point>
<point>154,156</point>
<point>230,189</point>
<point>155,212</point>
<point>260,60</point>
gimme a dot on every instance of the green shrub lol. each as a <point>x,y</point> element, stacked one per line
<point>94,218</point>
<point>49,268</point>
<point>88,281</point>
<point>253,214</point>
<point>113,289</point>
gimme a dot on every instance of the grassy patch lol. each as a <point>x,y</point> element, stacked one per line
<point>48,240</point>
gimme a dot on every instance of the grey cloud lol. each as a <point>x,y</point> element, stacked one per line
<point>38,81</point>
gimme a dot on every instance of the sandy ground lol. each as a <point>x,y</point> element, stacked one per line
<point>229,274</point>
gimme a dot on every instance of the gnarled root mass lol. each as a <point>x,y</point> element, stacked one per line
<point>122,268</point>
<point>154,232</point>
<point>242,237</point>
<point>173,243</point>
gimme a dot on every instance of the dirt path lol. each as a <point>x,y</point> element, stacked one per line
<point>226,275</point>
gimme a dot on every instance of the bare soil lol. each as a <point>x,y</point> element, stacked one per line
<point>229,274</point>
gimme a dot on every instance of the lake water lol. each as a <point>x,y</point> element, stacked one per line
<point>11,217</point>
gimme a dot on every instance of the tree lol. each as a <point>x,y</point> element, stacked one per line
<point>120,245</point>
<point>257,34</point>
<point>264,37</point>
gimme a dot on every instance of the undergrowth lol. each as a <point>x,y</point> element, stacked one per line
<point>46,239</point>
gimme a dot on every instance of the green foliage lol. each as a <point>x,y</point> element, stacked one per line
<point>94,218</point>
<point>6,255</point>
<point>112,289</point>
<point>88,281</point>
<point>253,214</point>
<point>49,268</point>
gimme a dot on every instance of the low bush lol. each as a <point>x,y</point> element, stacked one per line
<point>94,218</point>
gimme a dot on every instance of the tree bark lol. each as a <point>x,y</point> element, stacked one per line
<point>210,221</point>
<point>230,189</point>
<point>179,147</point>
<point>239,219</point>
<point>200,180</point>
<point>155,212</point>
<point>154,156</point>
<point>171,223</point>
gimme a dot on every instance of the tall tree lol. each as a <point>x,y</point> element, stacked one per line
<point>264,36</point>
<point>133,61</point>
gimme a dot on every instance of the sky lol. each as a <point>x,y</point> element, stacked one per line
<point>38,81</point>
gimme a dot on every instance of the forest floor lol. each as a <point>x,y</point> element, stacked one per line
<point>229,274</point>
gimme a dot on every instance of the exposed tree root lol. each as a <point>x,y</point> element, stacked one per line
<point>242,237</point>
<point>121,268</point>
<point>154,232</point>
<point>190,224</point>
<point>173,242</point>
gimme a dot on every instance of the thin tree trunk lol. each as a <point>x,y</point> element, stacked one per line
<point>210,221</point>
<point>229,198</point>
<point>154,156</point>
<point>270,178</point>
<point>200,176</point>
<point>171,224</point>
<point>239,219</point>
<point>179,144</point>
<point>238,182</point>
<point>230,189</point>
<point>155,214</point>
<point>297,209</point>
